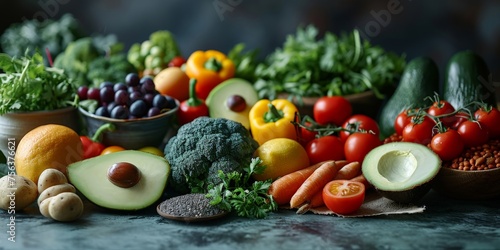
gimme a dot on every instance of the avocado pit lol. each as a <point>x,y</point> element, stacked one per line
<point>124,174</point>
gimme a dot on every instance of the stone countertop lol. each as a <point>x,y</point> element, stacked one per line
<point>445,224</point>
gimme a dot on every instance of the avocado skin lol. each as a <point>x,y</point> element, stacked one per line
<point>467,80</point>
<point>419,80</point>
<point>409,196</point>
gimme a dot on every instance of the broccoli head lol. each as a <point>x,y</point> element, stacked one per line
<point>203,147</point>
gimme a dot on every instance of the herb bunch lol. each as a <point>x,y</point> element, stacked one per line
<point>237,192</point>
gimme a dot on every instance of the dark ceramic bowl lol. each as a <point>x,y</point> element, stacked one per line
<point>468,185</point>
<point>134,133</point>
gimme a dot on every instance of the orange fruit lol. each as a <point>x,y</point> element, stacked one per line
<point>152,150</point>
<point>112,149</point>
<point>172,81</point>
<point>281,156</point>
<point>47,146</point>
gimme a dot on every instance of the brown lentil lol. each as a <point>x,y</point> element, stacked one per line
<point>477,158</point>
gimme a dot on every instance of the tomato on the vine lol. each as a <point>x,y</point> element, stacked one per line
<point>442,108</point>
<point>459,118</point>
<point>365,122</point>
<point>473,133</point>
<point>401,121</point>
<point>419,130</point>
<point>306,135</point>
<point>331,110</point>
<point>343,196</point>
<point>359,144</point>
<point>490,119</point>
<point>447,145</point>
<point>325,148</point>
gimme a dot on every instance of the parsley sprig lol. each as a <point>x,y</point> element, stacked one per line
<point>237,192</point>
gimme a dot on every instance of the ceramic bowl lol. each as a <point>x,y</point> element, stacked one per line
<point>468,185</point>
<point>363,103</point>
<point>13,126</point>
<point>134,133</point>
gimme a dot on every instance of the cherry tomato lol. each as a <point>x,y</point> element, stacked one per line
<point>306,135</point>
<point>332,110</point>
<point>459,118</point>
<point>442,108</point>
<point>447,145</point>
<point>359,144</point>
<point>325,148</point>
<point>344,196</point>
<point>365,123</point>
<point>490,119</point>
<point>401,121</point>
<point>177,61</point>
<point>419,131</point>
<point>473,133</point>
<point>112,149</point>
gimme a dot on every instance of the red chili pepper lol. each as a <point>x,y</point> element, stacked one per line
<point>91,146</point>
<point>193,107</point>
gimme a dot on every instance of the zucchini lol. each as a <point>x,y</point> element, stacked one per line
<point>419,80</point>
<point>467,80</point>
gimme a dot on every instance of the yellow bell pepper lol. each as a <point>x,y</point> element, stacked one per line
<point>209,68</point>
<point>272,119</point>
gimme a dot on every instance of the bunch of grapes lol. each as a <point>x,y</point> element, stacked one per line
<point>132,99</point>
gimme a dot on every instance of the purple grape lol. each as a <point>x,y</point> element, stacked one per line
<point>147,85</point>
<point>132,79</point>
<point>134,96</point>
<point>132,89</point>
<point>106,85</point>
<point>107,95</point>
<point>138,108</point>
<point>160,101</point>
<point>94,94</point>
<point>153,111</point>
<point>82,92</point>
<point>170,102</point>
<point>102,111</point>
<point>119,86</point>
<point>110,106</point>
<point>120,112</point>
<point>121,97</point>
<point>148,98</point>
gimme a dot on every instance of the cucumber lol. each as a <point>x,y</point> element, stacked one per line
<point>419,80</point>
<point>467,80</point>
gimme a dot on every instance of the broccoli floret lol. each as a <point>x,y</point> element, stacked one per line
<point>203,147</point>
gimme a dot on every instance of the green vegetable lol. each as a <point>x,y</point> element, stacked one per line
<point>237,192</point>
<point>28,85</point>
<point>245,62</point>
<point>33,35</point>
<point>419,80</point>
<point>76,58</point>
<point>467,79</point>
<point>307,66</point>
<point>203,147</point>
<point>111,68</point>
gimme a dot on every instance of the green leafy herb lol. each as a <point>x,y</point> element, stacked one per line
<point>237,192</point>
<point>27,85</point>
<point>307,66</point>
<point>245,61</point>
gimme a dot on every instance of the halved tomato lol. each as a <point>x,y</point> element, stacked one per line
<point>344,196</point>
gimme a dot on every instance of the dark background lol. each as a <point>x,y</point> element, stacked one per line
<point>416,28</point>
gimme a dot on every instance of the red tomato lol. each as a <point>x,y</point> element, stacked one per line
<point>473,133</point>
<point>490,119</point>
<point>332,110</point>
<point>365,122</point>
<point>443,108</point>
<point>359,144</point>
<point>459,118</point>
<point>177,61</point>
<point>419,132</point>
<point>343,196</point>
<point>112,149</point>
<point>401,121</point>
<point>325,148</point>
<point>447,145</point>
<point>306,135</point>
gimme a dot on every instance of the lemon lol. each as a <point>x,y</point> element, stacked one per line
<point>47,146</point>
<point>281,156</point>
<point>152,150</point>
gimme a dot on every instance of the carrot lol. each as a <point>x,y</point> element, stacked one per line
<point>283,188</point>
<point>361,178</point>
<point>349,171</point>
<point>315,182</point>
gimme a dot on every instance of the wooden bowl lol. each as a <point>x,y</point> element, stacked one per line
<point>468,185</point>
<point>363,103</point>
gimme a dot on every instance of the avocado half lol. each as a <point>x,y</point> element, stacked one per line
<point>90,178</point>
<point>401,171</point>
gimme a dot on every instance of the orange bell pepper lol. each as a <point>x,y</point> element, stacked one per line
<point>209,68</point>
<point>272,119</point>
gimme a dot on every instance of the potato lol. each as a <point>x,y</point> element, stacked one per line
<point>65,207</point>
<point>44,207</point>
<point>17,192</point>
<point>50,177</point>
<point>55,190</point>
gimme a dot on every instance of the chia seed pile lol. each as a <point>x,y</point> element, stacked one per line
<point>189,205</point>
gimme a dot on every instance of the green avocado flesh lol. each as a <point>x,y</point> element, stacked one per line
<point>401,167</point>
<point>216,100</point>
<point>90,178</point>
